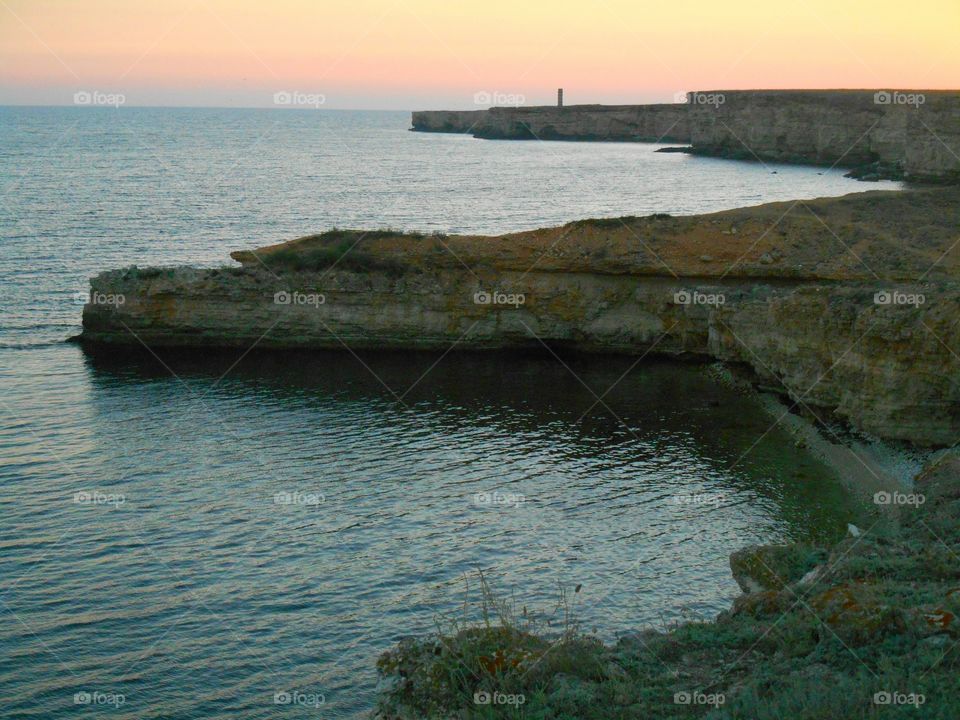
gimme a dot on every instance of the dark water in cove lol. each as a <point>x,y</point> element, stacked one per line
<point>193,535</point>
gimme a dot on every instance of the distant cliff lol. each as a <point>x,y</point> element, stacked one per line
<point>832,312</point>
<point>636,123</point>
<point>913,135</point>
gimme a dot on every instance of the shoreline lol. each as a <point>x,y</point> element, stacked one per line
<point>817,632</point>
<point>864,464</point>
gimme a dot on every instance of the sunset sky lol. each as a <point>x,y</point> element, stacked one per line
<point>426,54</point>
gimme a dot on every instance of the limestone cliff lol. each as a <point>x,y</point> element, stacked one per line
<point>633,123</point>
<point>847,305</point>
<point>914,135</point>
<point>918,141</point>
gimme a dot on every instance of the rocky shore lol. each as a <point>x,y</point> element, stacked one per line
<point>846,306</point>
<point>878,133</point>
<point>863,629</point>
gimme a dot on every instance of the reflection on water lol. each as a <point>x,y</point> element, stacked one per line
<point>275,525</point>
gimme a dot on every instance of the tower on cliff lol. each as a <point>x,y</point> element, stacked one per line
<point>559,97</point>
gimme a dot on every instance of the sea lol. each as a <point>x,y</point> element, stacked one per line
<point>218,535</point>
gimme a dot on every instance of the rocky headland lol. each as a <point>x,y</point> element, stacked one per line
<point>878,133</point>
<point>846,306</point>
<point>621,123</point>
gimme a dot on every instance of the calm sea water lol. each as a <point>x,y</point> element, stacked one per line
<point>196,536</point>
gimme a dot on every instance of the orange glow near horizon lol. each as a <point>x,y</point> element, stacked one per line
<point>401,53</point>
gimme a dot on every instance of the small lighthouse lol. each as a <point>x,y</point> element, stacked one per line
<point>559,97</point>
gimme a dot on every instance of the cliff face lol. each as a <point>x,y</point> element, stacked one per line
<point>447,121</point>
<point>631,123</point>
<point>822,128</point>
<point>920,138</point>
<point>913,134</point>
<point>849,332</point>
<point>932,148</point>
<point>641,123</point>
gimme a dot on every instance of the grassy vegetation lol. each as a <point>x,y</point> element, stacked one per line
<point>606,223</point>
<point>833,627</point>
<point>343,248</point>
<point>617,222</point>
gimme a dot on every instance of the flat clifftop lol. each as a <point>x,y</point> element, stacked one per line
<point>847,305</point>
<point>871,236</point>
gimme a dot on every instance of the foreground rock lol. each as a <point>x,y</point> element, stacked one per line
<point>869,631</point>
<point>847,305</point>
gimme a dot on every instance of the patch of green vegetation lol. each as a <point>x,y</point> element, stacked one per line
<point>606,223</point>
<point>135,272</point>
<point>617,222</point>
<point>342,248</point>
<point>771,567</point>
<point>872,632</point>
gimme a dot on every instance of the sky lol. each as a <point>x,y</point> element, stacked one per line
<point>451,54</point>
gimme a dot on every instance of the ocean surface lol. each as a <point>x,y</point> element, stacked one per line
<point>188,536</point>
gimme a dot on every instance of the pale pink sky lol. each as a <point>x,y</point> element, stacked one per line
<point>408,54</point>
